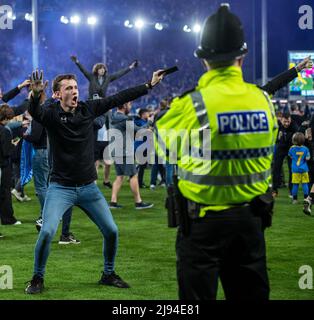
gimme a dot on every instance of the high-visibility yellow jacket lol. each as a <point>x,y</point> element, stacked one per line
<point>223,134</point>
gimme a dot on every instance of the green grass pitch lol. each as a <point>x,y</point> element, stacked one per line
<point>146,254</point>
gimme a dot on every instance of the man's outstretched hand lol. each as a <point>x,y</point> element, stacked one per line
<point>24,84</point>
<point>38,85</point>
<point>157,77</point>
<point>134,64</point>
<point>307,63</point>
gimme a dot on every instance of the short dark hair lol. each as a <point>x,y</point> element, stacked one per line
<point>142,111</point>
<point>6,113</point>
<point>286,116</point>
<point>56,84</point>
<point>163,104</point>
<point>298,139</point>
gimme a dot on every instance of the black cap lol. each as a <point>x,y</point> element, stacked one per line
<point>222,36</point>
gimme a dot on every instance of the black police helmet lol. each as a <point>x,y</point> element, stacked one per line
<point>222,37</point>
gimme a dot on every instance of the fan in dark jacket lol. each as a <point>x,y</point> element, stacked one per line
<point>6,148</point>
<point>99,78</point>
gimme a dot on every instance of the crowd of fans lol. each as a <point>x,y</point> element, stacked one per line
<point>119,52</point>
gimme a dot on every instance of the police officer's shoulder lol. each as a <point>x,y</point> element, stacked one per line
<point>186,93</point>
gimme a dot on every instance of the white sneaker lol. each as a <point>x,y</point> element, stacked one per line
<point>17,223</point>
<point>152,187</point>
<point>26,198</point>
<point>307,206</point>
<point>17,195</point>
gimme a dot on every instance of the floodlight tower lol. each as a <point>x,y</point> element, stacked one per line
<point>35,34</point>
<point>264,43</point>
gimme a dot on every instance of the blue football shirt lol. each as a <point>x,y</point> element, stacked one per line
<point>299,155</point>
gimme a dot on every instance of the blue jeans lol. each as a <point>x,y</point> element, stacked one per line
<point>169,174</point>
<point>157,167</point>
<point>41,174</point>
<point>89,198</point>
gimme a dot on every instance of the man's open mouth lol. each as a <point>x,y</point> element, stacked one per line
<point>74,100</point>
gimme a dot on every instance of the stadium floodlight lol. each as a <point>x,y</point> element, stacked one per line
<point>128,24</point>
<point>197,28</point>
<point>64,20</point>
<point>186,28</point>
<point>91,20</point>
<point>75,19</point>
<point>28,17</point>
<point>11,15</point>
<point>139,23</point>
<point>159,26</point>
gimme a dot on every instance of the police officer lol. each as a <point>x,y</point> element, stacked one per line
<point>225,237</point>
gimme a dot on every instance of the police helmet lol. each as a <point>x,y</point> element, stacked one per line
<point>222,37</point>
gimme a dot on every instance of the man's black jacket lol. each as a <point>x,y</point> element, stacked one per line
<point>284,138</point>
<point>280,81</point>
<point>71,135</point>
<point>6,147</point>
<point>10,94</point>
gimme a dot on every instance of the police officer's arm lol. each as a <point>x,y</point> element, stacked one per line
<point>101,106</point>
<point>284,78</point>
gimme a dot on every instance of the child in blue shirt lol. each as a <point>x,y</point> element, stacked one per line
<point>299,155</point>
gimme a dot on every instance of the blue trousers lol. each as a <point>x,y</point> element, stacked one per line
<point>89,198</point>
<point>41,170</point>
<point>295,187</point>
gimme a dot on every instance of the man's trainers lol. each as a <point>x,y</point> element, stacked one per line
<point>1,236</point>
<point>39,224</point>
<point>17,195</point>
<point>113,280</point>
<point>294,201</point>
<point>70,239</point>
<point>26,198</point>
<point>35,286</point>
<point>307,206</point>
<point>114,205</point>
<point>143,205</point>
<point>107,185</point>
<point>152,187</point>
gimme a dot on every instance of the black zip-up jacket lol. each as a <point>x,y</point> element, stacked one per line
<point>71,135</point>
<point>10,94</point>
<point>6,147</point>
<point>38,136</point>
<point>280,81</point>
<point>94,86</point>
<point>284,138</point>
